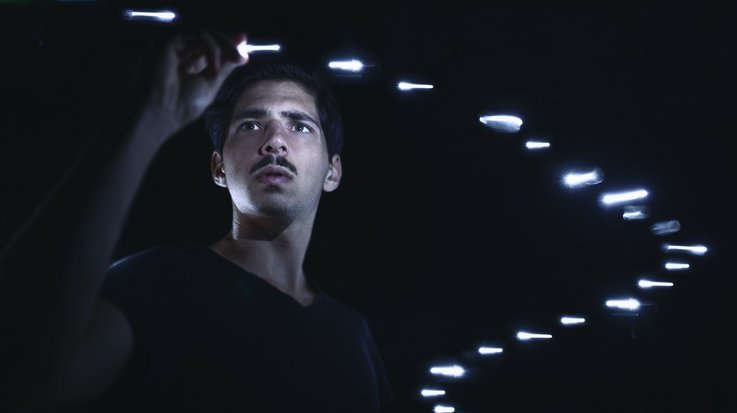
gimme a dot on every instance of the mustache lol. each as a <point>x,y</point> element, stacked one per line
<point>273,160</point>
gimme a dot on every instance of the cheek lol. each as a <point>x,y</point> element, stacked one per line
<point>235,157</point>
<point>317,166</point>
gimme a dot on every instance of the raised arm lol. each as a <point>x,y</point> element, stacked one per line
<point>58,341</point>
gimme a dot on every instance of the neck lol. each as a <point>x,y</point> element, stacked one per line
<point>270,249</point>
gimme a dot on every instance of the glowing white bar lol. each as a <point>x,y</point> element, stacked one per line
<point>245,48</point>
<point>651,284</point>
<point>634,212</point>
<point>674,266</point>
<point>577,179</point>
<point>432,393</point>
<point>352,65</point>
<point>566,321</point>
<point>624,304</point>
<point>502,123</point>
<point>691,249</point>
<point>490,350</point>
<point>165,16</point>
<point>537,145</point>
<point>617,198</point>
<point>444,409</point>
<point>412,86</point>
<point>666,227</point>
<point>523,335</point>
<point>450,371</point>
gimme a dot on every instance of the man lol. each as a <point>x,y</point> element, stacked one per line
<point>237,325</point>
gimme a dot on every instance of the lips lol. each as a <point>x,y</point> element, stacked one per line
<point>273,174</point>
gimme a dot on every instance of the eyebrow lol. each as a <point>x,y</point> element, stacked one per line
<point>260,113</point>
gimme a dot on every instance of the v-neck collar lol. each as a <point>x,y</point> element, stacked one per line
<point>319,295</point>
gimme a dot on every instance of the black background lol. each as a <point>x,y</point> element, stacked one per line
<point>445,234</point>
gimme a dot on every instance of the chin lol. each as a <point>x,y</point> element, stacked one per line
<point>275,208</point>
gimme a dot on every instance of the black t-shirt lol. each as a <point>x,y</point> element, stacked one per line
<point>209,336</point>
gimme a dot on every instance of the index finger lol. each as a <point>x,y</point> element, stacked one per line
<point>230,45</point>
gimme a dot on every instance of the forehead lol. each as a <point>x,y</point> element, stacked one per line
<point>272,94</point>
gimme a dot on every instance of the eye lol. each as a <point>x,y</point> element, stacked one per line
<point>249,126</point>
<point>302,128</point>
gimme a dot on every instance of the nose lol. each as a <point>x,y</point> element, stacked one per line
<point>274,140</point>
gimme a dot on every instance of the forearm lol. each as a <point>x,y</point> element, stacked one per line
<point>50,278</point>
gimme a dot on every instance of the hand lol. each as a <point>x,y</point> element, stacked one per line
<point>190,72</point>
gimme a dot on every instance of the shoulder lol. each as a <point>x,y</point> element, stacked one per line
<point>137,282</point>
<point>146,268</point>
<point>145,258</point>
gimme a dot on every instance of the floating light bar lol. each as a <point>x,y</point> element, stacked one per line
<point>502,123</point>
<point>412,86</point>
<point>432,392</point>
<point>676,266</point>
<point>490,350</point>
<point>245,48</point>
<point>666,227</point>
<point>450,371</point>
<point>620,197</point>
<point>624,304</point>
<point>578,179</point>
<point>164,16</point>
<point>352,65</point>
<point>651,284</point>
<point>633,213</point>
<point>567,321</point>
<point>691,249</point>
<point>524,336</point>
<point>532,145</point>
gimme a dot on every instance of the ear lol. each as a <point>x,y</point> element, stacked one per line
<point>335,171</point>
<point>217,170</point>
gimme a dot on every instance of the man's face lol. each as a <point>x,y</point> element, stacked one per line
<point>274,161</point>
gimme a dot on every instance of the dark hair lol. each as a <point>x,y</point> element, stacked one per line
<point>221,110</point>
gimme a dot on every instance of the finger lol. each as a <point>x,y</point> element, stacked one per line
<point>194,64</point>
<point>190,53</point>
<point>213,53</point>
<point>229,45</point>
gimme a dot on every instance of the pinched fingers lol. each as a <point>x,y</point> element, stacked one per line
<point>212,52</point>
<point>207,53</point>
<point>193,69</point>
